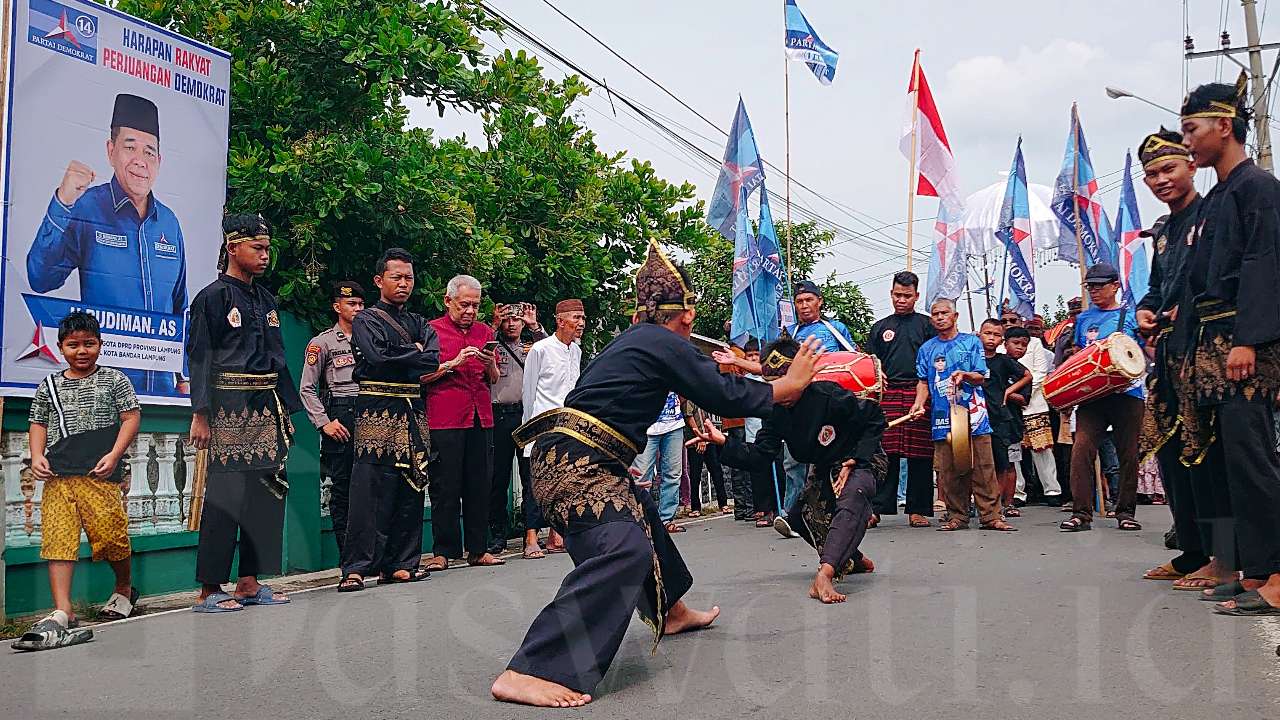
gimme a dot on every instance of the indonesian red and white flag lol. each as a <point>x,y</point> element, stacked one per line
<point>934,161</point>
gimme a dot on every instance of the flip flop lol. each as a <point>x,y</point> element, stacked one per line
<point>533,554</point>
<point>119,607</point>
<point>1163,572</point>
<point>555,550</point>
<point>264,596</point>
<point>415,575</point>
<point>1248,604</point>
<point>351,583</point>
<point>210,604</point>
<point>1223,592</point>
<point>1181,584</point>
<point>1128,524</point>
<point>496,562</point>
<point>674,528</point>
<point>434,566</point>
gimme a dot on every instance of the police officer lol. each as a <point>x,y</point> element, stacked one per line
<point>329,395</point>
<point>126,244</point>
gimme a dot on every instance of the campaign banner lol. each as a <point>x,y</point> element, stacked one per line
<point>114,176</point>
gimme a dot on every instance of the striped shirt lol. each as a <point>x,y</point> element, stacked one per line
<point>89,403</point>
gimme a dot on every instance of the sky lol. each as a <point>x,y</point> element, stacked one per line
<point>998,70</point>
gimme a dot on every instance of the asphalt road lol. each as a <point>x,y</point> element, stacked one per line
<point>1035,624</point>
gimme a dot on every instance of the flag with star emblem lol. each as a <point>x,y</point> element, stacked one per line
<point>1131,246</point>
<point>1014,231</point>
<point>804,45</point>
<point>1077,198</point>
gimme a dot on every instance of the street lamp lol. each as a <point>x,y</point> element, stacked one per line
<point>1116,94</point>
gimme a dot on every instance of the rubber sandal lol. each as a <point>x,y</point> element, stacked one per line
<point>437,563</point>
<point>953,525</point>
<point>1248,604</point>
<point>477,562</point>
<point>52,632</point>
<point>119,607</point>
<point>533,554</point>
<point>1223,592</point>
<point>351,583</point>
<point>1165,572</point>
<point>674,528</point>
<point>920,522</point>
<point>264,596</point>
<point>415,575</point>
<point>210,604</point>
<point>1186,583</point>
<point>998,526</point>
<point>1128,525</point>
<point>1074,524</point>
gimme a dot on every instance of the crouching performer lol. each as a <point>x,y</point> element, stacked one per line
<point>838,435</point>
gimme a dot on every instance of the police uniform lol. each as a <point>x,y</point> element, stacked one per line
<point>124,261</point>
<point>329,393</point>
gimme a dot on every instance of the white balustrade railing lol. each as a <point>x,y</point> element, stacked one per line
<point>156,469</point>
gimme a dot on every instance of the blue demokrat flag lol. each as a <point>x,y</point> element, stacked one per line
<point>1014,231</point>
<point>1079,199</point>
<point>803,44</point>
<point>746,270</point>
<point>767,289</point>
<point>1131,246</point>
<point>740,174</point>
<point>949,256</point>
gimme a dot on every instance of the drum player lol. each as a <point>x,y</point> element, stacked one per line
<point>1122,411</point>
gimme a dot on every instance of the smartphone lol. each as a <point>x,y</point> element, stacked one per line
<point>491,346</point>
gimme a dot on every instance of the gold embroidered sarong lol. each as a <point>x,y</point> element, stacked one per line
<point>250,430</point>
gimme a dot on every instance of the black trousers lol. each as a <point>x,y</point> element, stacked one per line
<point>740,482</point>
<point>919,488</point>
<point>505,420</point>
<point>711,460</point>
<point>1124,413</point>
<point>848,524</point>
<point>461,475</point>
<point>384,526</point>
<point>237,503</point>
<point>763,485</point>
<point>576,636</point>
<point>1246,435</point>
<point>336,461</point>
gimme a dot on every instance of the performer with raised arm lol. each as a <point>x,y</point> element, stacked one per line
<point>837,434</point>
<point>624,560</point>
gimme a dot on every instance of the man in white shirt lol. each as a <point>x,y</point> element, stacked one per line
<point>1039,437</point>
<point>551,370</point>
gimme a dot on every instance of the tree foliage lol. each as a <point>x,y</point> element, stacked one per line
<point>711,271</point>
<point>319,144</point>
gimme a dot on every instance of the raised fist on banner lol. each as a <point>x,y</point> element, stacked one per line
<point>75,181</point>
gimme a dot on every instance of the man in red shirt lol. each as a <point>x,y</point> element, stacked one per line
<point>460,416</point>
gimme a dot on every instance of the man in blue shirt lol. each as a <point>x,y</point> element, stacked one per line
<point>1122,411</point>
<point>951,369</point>
<point>834,334</point>
<point>126,245</point>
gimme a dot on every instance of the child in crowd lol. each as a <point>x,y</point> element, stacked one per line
<point>1006,380</point>
<point>82,421</point>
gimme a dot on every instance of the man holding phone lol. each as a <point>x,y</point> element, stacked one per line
<point>460,416</point>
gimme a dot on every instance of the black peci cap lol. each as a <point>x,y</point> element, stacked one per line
<point>136,112</point>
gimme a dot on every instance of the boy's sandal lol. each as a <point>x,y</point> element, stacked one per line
<point>1074,524</point>
<point>50,633</point>
<point>210,604</point>
<point>264,596</point>
<point>351,583</point>
<point>1248,604</point>
<point>1129,524</point>
<point>998,525</point>
<point>119,607</point>
<point>1166,572</point>
<point>1223,592</point>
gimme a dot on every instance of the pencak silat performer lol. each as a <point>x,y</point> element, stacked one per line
<point>394,348</point>
<point>836,434</point>
<point>1194,496</point>
<point>241,399</point>
<point>624,560</point>
<point>126,244</point>
<point>1234,335</point>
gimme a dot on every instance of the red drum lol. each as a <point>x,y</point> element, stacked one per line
<point>1105,367</point>
<point>856,372</point>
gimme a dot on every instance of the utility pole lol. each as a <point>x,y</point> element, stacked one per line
<point>1257,79</point>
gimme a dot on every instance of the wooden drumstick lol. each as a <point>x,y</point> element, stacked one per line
<point>904,418</point>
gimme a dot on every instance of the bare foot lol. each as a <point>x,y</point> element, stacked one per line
<point>681,618</point>
<point>514,687</point>
<point>824,591</point>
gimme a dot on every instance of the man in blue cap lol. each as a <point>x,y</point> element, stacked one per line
<point>126,245</point>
